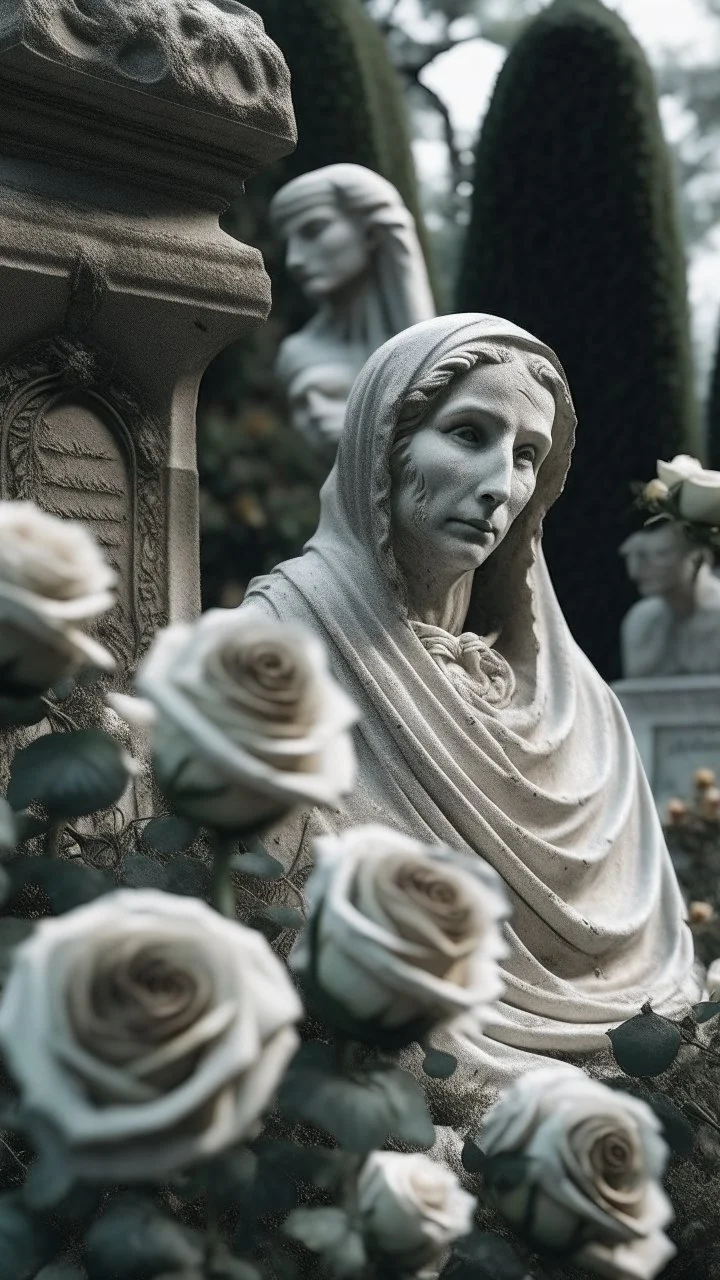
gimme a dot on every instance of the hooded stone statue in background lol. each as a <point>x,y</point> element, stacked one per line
<point>483,724</point>
<point>352,246</point>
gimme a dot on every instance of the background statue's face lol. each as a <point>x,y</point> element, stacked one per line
<point>317,398</point>
<point>465,475</point>
<point>658,560</point>
<point>326,250</point>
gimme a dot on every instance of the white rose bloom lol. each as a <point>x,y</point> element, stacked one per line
<point>595,1157</point>
<point>53,581</point>
<point>682,466</point>
<point>147,1030</point>
<point>412,1208</point>
<point>401,931</point>
<point>247,722</point>
<point>700,497</point>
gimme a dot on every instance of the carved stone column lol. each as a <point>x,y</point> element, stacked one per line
<point>126,128</point>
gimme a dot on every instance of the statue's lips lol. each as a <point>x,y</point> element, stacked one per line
<point>480,526</point>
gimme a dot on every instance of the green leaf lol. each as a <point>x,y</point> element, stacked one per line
<point>25,1243</point>
<point>170,834</point>
<point>482,1256</point>
<point>8,828</point>
<point>12,932</point>
<point>705,1011</point>
<point>273,920</point>
<point>188,876</point>
<point>328,1232</point>
<point>645,1045</point>
<point>141,872</point>
<point>226,1180</point>
<point>439,1066</point>
<point>67,884</point>
<point>505,1172</point>
<point>17,713</point>
<point>361,1111</point>
<point>70,774</point>
<point>473,1157</point>
<point>257,863</point>
<point>134,1241</point>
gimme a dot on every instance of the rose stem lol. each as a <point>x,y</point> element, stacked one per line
<point>223,889</point>
<point>53,837</point>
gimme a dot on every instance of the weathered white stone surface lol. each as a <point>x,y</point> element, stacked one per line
<point>674,630</point>
<point>353,248</point>
<point>483,723</point>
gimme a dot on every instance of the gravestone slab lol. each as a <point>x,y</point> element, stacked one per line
<point>676,725</point>
<point>126,129</point>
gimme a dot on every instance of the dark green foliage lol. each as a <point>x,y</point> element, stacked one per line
<point>645,1045</point>
<point>260,482</point>
<point>574,235</point>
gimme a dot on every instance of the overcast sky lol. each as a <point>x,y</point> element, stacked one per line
<point>465,77</point>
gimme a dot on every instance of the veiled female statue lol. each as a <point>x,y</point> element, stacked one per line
<point>483,724</point>
<point>353,248</point>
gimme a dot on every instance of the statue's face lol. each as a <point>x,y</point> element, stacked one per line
<point>326,250</point>
<point>470,469</point>
<point>317,400</point>
<point>658,560</point>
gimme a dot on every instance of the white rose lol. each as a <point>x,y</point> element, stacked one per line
<point>700,497</point>
<point>401,931</point>
<point>594,1157</point>
<point>148,1031</point>
<point>712,981</point>
<point>53,581</point>
<point>247,721</point>
<point>682,466</point>
<point>411,1207</point>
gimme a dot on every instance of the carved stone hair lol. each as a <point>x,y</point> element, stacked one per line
<point>421,397</point>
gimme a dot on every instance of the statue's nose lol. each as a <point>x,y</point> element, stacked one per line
<point>493,487</point>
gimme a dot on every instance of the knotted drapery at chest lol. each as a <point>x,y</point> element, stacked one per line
<point>477,671</point>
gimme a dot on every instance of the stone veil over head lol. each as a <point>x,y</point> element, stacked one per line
<point>483,724</point>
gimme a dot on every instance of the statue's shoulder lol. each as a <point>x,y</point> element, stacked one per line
<point>644,615</point>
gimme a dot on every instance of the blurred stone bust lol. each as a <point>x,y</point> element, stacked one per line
<point>675,628</point>
<point>352,246</point>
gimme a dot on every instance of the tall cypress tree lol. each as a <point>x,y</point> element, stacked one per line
<point>259,481</point>
<point>574,234</point>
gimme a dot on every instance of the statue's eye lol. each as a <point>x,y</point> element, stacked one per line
<point>526,453</point>
<point>314,228</point>
<point>465,431</point>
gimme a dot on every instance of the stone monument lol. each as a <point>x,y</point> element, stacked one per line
<point>353,248</point>
<point>126,128</point>
<point>674,630</point>
<point>482,724</point>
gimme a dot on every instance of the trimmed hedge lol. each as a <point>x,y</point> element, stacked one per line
<point>574,234</point>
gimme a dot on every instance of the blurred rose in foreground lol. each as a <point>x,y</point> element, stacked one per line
<point>246,721</point>
<point>147,1031</point>
<point>593,1161</point>
<point>401,931</point>
<point>53,582</point>
<point>411,1208</point>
